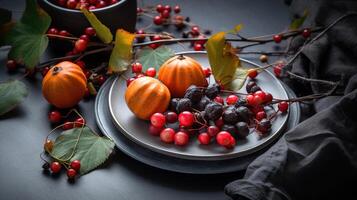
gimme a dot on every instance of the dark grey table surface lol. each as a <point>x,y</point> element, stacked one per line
<point>23,130</point>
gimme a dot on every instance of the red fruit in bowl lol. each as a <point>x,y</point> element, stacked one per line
<point>232,99</point>
<point>154,130</point>
<point>167,135</point>
<point>204,138</point>
<point>186,119</point>
<point>171,117</point>
<point>223,138</point>
<point>212,131</point>
<point>232,143</point>
<point>158,120</point>
<point>181,138</point>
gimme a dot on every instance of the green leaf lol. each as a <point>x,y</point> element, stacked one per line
<point>91,150</point>
<point>297,23</point>
<point>239,78</point>
<point>149,57</point>
<point>12,93</point>
<point>27,37</point>
<point>223,60</point>
<point>122,53</point>
<point>102,31</point>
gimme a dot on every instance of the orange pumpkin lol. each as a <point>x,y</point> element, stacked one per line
<point>180,72</point>
<point>64,85</point>
<point>146,96</point>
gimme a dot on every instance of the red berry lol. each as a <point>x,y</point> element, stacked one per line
<point>159,8</point>
<point>81,64</point>
<point>171,117</point>
<point>223,138</point>
<point>86,93</point>
<point>140,38</point>
<point>268,98</point>
<point>113,2</point>
<point>195,30</point>
<point>101,79</point>
<point>258,100</point>
<point>181,138</point>
<point>158,120</point>
<point>306,33</point>
<point>76,165</point>
<point>136,67</point>
<point>212,131</point>
<point>232,99</point>
<point>252,73</point>
<point>81,45</point>
<point>64,33</point>
<point>283,106</point>
<point>177,9</point>
<point>11,65</point>
<point>158,20</point>
<point>55,167</point>
<point>67,125</point>
<point>55,116</point>
<point>260,115</point>
<point>44,71</point>
<point>52,31</point>
<point>204,138</point>
<point>167,135</point>
<point>168,8</point>
<point>155,38</point>
<point>219,122</point>
<point>232,143</point>
<point>203,41</point>
<point>154,130</point>
<point>101,4</point>
<point>71,4</point>
<point>261,94</point>
<point>277,38</point>
<point>277,70</point>
<point>84,37</point>
<point>151,72</point>
<point>256,109</point>
<point>198,47</point>
<point>139,76</point>
<point>165,14</point>
<point>219,99</point>
<point>79,122</point>
<point>186,119</point>
<point>90,31</point>
<point>250,100</point>
<point>71,173</point>
<point>207,71</point>
<point>129,81</point>
<point>139,10</point>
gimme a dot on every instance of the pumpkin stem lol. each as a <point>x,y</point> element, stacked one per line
<point>181,57</point>
<point>56,70</point>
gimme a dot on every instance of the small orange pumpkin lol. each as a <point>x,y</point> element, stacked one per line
<point>64,85</point>
<point>180,72</point>
<point>146,96</point>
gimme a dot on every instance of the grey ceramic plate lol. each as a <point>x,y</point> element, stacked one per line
<point>137,130</point>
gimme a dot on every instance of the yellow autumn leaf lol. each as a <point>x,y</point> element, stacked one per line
<point>102,31</point>
<point>122,53</point>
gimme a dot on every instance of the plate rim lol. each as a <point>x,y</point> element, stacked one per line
<point>218,156</point>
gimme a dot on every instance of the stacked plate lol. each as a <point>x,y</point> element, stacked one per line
<point>132,137</point>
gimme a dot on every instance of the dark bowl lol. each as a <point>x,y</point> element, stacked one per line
<point>119,15</point>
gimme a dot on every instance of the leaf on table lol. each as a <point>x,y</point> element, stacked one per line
<point>92,150</point>
<point>102,31</point>
<point>12,93</point>
<point>298,22</point>
<point>28,36</point>
<point>149,57</point>
<point>224,61</point>
<point>122,53</point>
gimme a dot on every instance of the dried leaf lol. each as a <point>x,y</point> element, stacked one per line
<point>122,53</point>
<point>102,31</point>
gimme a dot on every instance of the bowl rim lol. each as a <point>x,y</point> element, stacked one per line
<point>78,11</point>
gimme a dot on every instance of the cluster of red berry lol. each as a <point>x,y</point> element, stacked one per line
<point>85,4</point>
<point>137,69</point>
<point>56,167</point>
<point>55,117</point>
